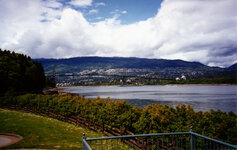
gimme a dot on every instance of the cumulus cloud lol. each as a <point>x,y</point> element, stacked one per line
<point>53,4</point>
<point>81,3</point>
<point>196,30</point>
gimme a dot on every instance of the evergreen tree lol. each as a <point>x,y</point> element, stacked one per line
<point>19,74</point>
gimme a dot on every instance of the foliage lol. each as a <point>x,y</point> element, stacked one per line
<point>18,73</point>
<point>78,64</point>
<point>119,114</point>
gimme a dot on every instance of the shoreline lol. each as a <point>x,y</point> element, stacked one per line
<point>144,102</point>
<point>61,87</point>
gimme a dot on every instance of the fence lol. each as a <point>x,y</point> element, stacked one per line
<point>157,141</point>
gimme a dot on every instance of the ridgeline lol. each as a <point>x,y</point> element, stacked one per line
<point>142,71</point>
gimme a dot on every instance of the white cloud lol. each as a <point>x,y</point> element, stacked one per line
<point>81,3</point>
<point>53,4</point>
<point>116,11</point>
<point>99,4</point>
<point>182,29</point>
<point>99,18</point>
<point>124,12</point>
<point>93,11</point>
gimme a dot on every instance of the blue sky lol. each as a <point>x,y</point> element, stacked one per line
<point>191,30</point>
<point>130,11</point>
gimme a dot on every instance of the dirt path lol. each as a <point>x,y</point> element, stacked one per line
<point>8,139</point>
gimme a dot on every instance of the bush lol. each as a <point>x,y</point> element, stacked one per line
<point>119,114</point>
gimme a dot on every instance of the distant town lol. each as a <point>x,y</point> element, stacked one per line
<point>122,76</point>
<point>93,71</point>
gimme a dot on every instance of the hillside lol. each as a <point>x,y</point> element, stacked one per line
<point>161,66</point>
<point>117,62</point>
<point>40,132</point>
<point>18,73</point>
<point>139,71</point>
<point>82,63</point>
<point>233,67</point>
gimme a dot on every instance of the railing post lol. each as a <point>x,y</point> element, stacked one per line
<point>83,144</point>
<point>191,139</point>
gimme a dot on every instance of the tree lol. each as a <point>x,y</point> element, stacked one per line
<point>19,73</point>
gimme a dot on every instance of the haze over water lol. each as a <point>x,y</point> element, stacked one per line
<point>201,98</point>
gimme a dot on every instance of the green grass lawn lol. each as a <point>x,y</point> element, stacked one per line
<point>42,132</point>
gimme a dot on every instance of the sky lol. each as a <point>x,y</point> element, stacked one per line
<point>193,30</point>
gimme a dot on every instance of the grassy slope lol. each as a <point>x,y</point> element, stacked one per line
<point>42,132</point>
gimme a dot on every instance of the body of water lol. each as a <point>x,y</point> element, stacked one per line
<point>200,97</point>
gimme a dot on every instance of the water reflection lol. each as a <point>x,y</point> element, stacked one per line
<point>200,97</point>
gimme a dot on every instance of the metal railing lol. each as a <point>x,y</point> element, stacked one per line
<point>157,141</point>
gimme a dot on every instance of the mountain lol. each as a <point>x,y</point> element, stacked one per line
<point>132,65</point>
<point>78,64</point>
<point>233,67</point>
